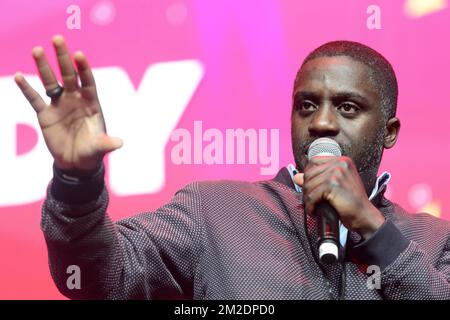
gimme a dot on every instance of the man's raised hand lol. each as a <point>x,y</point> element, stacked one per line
<point>72,124</point>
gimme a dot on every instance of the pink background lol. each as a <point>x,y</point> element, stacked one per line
<point>250,51</point>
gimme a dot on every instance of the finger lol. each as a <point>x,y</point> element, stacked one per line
<point>30,94</point>
<point>319,165</point>
<point>68,73</point>
<point>308,194</point>
<point>323,192</point>
<point>86,76</point>
<point>331,173</point>
<point>312,171</point>
<point>343,161</point>
<point>318,160</point>
<point>45,72</point>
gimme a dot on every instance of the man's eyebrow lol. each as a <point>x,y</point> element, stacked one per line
<point>343,95</point>
<point>305,95</point>
<point>348,95</point>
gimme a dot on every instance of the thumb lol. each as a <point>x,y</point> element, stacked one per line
<point>108,144</point>
<point>298,179</point>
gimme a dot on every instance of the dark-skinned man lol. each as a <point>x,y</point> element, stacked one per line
<point>244,240</point>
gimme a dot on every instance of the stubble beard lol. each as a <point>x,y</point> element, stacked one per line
<point>367,159</point>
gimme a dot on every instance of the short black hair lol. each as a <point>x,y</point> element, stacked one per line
<point>383,74</point>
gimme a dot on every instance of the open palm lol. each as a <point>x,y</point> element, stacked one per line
<point>72,124</point>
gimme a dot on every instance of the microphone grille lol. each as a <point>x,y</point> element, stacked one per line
<point>324,147</point>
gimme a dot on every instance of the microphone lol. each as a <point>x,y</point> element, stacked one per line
<point>327,217</point>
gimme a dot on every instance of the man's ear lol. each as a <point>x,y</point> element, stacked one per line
<point>392,131</point>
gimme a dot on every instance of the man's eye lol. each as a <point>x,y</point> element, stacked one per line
<point>348,108</point>
<point>305,105</point>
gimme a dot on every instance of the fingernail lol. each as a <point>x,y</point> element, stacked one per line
<point>37,50</point>
<point>58,39</point>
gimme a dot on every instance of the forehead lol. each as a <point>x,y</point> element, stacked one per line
<point>337,74</point>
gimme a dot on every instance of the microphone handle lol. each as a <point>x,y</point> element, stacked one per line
<point>328,232</point>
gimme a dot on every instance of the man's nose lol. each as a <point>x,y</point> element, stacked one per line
<point>324,122</point>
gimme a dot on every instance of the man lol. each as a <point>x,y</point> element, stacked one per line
<point>244,240</point>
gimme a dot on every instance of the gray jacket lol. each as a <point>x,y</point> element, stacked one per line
<point>235,240</point>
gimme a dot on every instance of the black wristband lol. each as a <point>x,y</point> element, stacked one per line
<point>77,174</point>
<point>77,186</point>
